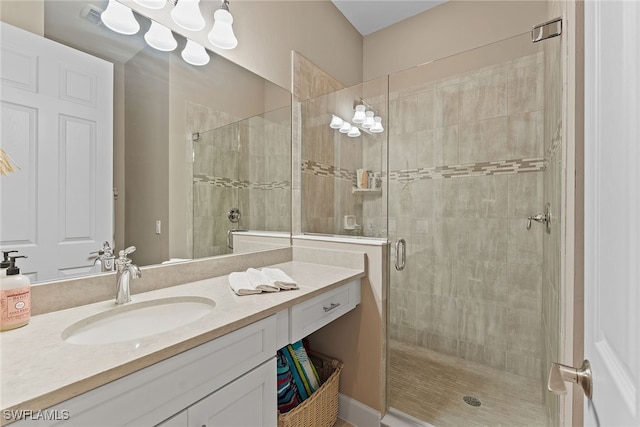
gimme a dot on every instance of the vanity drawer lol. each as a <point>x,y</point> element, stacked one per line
<point>311,315</point>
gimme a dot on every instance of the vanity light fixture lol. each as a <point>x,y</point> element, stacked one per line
<point>221,35</point>
<point>160,37</point>
<point>151,4</point>
<point>195,54</point>
<point>187,14</point>
<point>119,18</point>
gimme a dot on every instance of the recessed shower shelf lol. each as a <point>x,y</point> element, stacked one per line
<point>356,190</point>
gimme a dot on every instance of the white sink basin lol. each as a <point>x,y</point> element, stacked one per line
<point>137,320</point>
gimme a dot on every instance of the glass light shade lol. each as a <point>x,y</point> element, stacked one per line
<point>187,15</point>
<point>195,54</point>
<point>368,121</point>
<point>353,132</point>
<point>221,35</point>
<point>377,125</point>
<point>346,127</point>
<point>119,18</point>
<point>152,4</point>
<point>160,37</point>
<point>336,122</point>
<point>359,116</point>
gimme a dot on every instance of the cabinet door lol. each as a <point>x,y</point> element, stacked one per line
<point>251,400</point>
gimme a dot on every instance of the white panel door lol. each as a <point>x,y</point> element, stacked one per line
<point>57,125</point>
<point>612,211</point>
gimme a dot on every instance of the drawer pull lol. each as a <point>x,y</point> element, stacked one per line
<point>332,306</point>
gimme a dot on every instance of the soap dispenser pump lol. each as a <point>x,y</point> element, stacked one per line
<point>15,297</point>
<point>5,262</point>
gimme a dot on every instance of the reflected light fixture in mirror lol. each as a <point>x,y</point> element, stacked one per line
<point>368,121</point>
<point>377,125</point>
<point>353,132</point>
<point>160,37</point>
<point>221,35</point>
<point>359,115</point>
<point>195,54</point>
<point>187,14</point>
<point>336,122</point>
<point>119,18</point>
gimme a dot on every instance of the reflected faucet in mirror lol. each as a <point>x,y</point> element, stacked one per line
<point>105,258</point>
<point>126,271</point>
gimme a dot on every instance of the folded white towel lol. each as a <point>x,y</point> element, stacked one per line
<point>241,285</point>
<point>280,279</point>
<point>254,281</point>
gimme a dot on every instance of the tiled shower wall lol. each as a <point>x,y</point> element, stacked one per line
<point>244,165</point>
<point>465,171</point>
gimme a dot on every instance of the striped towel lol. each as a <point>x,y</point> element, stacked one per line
<point>287,390</point>
<point>304,373</point>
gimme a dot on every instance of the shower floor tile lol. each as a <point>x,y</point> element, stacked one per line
<point>432,387</point>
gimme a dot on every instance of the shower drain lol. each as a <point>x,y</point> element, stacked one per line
<point>471,400</point>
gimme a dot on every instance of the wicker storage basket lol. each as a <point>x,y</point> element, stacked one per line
<point>321,408</point>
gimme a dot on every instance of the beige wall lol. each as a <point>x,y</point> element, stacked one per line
<point>28,15</point>
<point>452,27</point>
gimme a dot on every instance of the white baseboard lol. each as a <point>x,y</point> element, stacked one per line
<point>357,413</point>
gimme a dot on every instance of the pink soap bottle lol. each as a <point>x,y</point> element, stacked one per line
<point>15,297</point>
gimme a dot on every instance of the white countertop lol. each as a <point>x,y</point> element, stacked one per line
<point>38,369</point>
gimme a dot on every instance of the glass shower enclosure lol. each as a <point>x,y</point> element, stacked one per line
<point>471,149</point>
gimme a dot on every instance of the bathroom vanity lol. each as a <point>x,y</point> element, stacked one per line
<point>219,369</point>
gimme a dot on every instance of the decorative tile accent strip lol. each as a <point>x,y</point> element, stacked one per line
<point>217,181</point>
<point>471,169</point>
<point>320,169</point>
<point>437,172</point>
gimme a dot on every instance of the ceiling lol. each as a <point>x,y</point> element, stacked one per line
<point>369,16</point>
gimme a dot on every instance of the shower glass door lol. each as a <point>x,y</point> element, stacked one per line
<point>469,137</point>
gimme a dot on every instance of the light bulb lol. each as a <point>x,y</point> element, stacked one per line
<point>187,15</point>
<point>195,54</point>
<point>160,37</point>
<point>377,125</point>
<point>353,132</point>
<point>368,122</point>
<point>221,35</point>
<point>359,116</point>
<point>152,4</point>
<point>336,122</point>
<point>346,127</point>
<point>119,18</point>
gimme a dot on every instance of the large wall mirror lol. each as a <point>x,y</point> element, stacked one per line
<point>191,147</point>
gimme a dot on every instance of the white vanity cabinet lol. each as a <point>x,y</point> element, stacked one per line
<point>156,393</point>
<point>229,381</point>
<point>248,401</point>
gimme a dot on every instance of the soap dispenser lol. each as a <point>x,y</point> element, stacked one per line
<point>15,297</point>
<point>5,262</point>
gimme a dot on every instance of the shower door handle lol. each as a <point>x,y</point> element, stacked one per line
<point>401,260</point>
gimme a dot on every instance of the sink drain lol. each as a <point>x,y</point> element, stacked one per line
<point>472,401</point>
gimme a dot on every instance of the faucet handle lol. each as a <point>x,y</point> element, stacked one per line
<point>123,253</point>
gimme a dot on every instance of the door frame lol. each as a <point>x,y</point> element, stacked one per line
<point>572,221</point>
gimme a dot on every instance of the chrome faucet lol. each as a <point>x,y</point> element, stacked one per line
<point>126,270</point>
